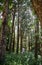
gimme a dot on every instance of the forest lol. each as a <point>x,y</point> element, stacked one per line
<point>20,32</point>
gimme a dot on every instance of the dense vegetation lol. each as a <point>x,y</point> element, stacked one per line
<point>20,32</point>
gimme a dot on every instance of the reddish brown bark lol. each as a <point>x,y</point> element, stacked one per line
<point>37,5</point>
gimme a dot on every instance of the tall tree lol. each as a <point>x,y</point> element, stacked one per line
<point>18,31</point>
<point>21,37</point>
<point>4,23</point>
<point>13,27</point>
<point>14,11</point>
<point>37,5</point>
<point>36,39</point>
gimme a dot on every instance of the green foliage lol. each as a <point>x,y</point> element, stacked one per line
<point>22,59</point>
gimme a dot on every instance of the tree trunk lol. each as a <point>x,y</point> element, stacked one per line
<point>21,38</point>
<point>41,42</point>
<point>37,5</point>
<point>4,23</point>
<point>18,31</point>
<point>36,39</point>
<point>28,42</point>
<point>13,29</point>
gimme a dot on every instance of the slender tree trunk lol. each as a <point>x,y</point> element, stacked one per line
<point>21,38</point>
<point>13,29</point>
<point>31,41</point>
<point>36,39</point>
<point>4,23</point>
<point>41,40</point>
<point>41,30</point>
<point>21,44</point>
<point>28,42</point>
<point>18,32</point>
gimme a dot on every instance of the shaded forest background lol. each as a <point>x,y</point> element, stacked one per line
<point>20,32</point>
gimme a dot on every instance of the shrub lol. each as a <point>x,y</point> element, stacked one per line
<point>22,59</point>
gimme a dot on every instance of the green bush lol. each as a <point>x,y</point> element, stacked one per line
<point>22,59</point>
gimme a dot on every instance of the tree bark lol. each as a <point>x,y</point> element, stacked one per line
<point>14,28</point>
<point>36,39</point>
<point>18,31</point>
<point>12,43</point>
<point>21,38</point>
<point>4,23</point>
<point>37,5</point>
